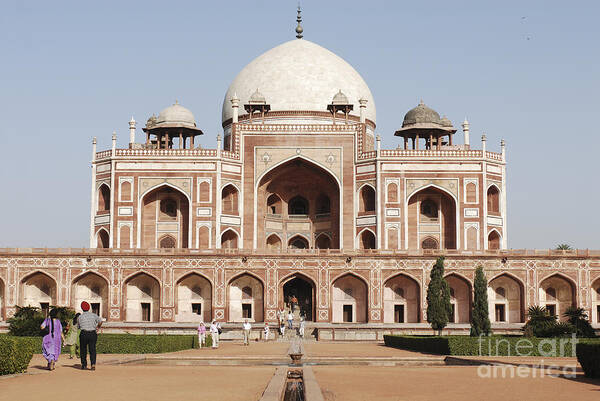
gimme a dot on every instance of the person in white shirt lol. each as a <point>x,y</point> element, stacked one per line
<point>247,328</point>
<point>214,333</point>
<point>302,326</point>
<point>290,320</point>
<point>267,331</point>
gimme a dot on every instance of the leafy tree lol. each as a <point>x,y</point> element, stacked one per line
<point>27,320</point>
<point>542,324</point>
<point>579,319</point>
<point>564,247</point>
<point>480,320</point>
<point>439,308</point>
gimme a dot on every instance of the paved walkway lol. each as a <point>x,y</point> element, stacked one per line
<point>350,382</point>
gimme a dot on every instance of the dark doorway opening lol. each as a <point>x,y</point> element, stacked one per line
<point>145,311</point>
<point>197,309</point>
<point>500,313</point>
<point>298,295</point>
<point>452,316</point>
<point>399,313</point>
<point>95,308</point>
<point>551,309</point>
<point>347,313</point>
<point>247,311</point>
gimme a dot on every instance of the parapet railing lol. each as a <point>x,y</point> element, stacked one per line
<point>99,252</point>
<point>424,154</point>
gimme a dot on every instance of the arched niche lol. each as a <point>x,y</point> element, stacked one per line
<point>194,299</point>
<point>39,290</point>
<point>401,300</point>
<point>431,214</point>
<point>142,298</point>
<point>461,298</point>
<point>165,212</point>
<point>245,299</point>
<point>557,294</point>
<point>92,288</point>
<point>506,298</point>
<point>349,300</point>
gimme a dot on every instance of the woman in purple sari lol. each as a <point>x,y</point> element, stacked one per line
<point>51,344</point>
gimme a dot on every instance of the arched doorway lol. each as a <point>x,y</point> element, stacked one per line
<point>102,238</point>
<point>165,218</point>
<point>367,240</point>
<point>142,298</point>
<point>460,298</point>
<point>401,300</point>
<point>194,299</point>
<point>229,240</point>
<point>323,242</point>
<point>93,289</point>
<point>494,240</point>
<point>298,242</point>
<point>432,220</point>
<point>38,290</point>
<point>103,198</point>
<point>349,300</point>
<point>273,242</point>
<point>300,289</point>
<point>506,298</point>
<point>298,196</point>
<point>246,299</point>
<point>366,200</point>
<point>557,294</point>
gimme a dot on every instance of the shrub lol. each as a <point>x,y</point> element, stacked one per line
<point>27,320</point>
<point>579,319</point>
<point>485,346</point>
<point>588,355</point>
<point>541,323</point>
<point>15,354</point>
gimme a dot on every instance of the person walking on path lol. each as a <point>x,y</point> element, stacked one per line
<point>247,328</point>
<point>51,343</point>
<point>89,323</point>
<point>267,331</point>
<point>202,334</point>
<point>302,327</point>
<point>214,332</point>
<point>290,320</point>
<point>72,337</point>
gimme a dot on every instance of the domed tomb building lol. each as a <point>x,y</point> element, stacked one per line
<point>297,201</point>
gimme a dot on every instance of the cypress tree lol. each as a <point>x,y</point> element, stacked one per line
<point>439,308</point>
<point>480,320</point>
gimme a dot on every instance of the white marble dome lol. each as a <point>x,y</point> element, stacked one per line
<point>176,115</point>
<point>299,75</point>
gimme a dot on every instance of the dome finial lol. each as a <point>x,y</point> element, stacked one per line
<point>299,29</point>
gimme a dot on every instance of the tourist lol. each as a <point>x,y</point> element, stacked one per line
<point>247,328</point>
<point>290,320</point>
<point>202,334</point>
<point>214,333</point>
<point>302,326</point>
<point>294,302</point>
<point>72,337</point>
<point>266,331</point>
<point>89,323</point>
<point>282,328</point>
<point>51,343</point>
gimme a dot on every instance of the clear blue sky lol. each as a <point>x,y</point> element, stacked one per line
<point>525,71</point>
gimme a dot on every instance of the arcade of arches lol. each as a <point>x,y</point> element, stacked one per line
<point>298,201</point>
<point>165,219</point>
<point>431,220</point>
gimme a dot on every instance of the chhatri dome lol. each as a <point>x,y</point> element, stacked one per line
<point>176,116</point>
<point>299,76</point>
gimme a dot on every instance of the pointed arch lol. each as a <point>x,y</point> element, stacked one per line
<point>185,230</point>
<point>511,308</point>
<point>194,294</point>
<point>405,309</point>
<point>274,242</point>
<point>366,239</point>
<point>298,290</point>
<point>141,297</point>
<point>38,289</point>
<point>103,195</point>
<point>229,239</point>
<point>323,241</point>
<point>494,239</point>
<point>102,238</point>
<point>230,199</point>
<point>367,199</point>
<point>241,304</point>
<point>92,287</point>
<point>462,301</point>
<point>299,241</point>
<point>493,199</point>
<point>349,299</point>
